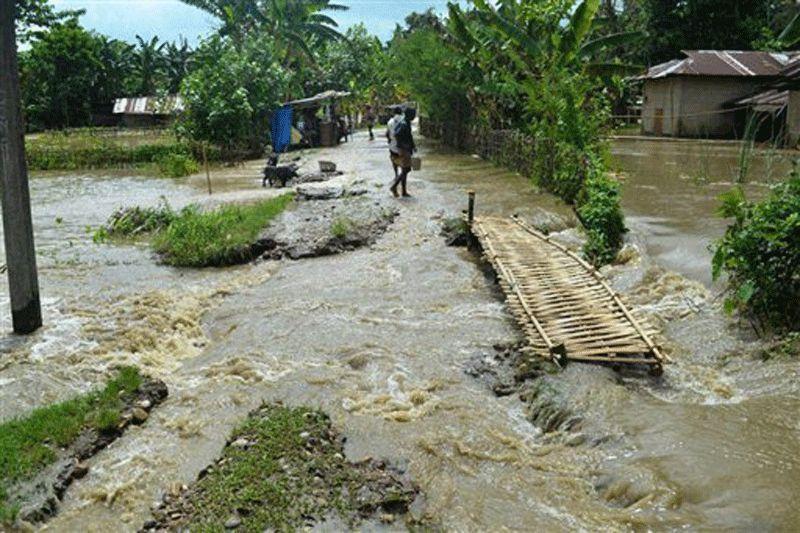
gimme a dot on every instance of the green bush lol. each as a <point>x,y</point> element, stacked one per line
<point>601,215</point>
<point>216,238</point>
<point>177,165</point>
<point>760,254</point>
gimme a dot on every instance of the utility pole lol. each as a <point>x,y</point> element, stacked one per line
<point>26,311</point>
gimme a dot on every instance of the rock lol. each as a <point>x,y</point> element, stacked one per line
<point>145,404</point>
<point>139,415</point>
<point>80,470</point>
<point>233,522</point>
<point>387,518</point>
<point>305,435</point>
<point>150,524</point>
<point>241,443</point>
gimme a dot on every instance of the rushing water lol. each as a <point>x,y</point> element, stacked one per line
<point>380,337</point>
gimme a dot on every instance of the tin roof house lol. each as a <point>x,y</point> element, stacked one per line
<point>142,111</point>
<point>691,97</point>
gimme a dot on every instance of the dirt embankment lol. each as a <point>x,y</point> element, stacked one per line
<point>314,228</point>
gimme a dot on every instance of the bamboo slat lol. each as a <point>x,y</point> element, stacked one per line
<point>561,302</point>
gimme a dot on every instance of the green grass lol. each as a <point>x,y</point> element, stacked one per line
<point>216,238</point>
<point>111,148</point>
<point>28,444</point>
<point>277,484</point>
<point>341,227</point>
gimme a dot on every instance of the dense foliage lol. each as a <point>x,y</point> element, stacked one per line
<point>760,254</point>
<point>230,94</point>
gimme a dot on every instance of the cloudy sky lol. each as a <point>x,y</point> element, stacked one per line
<point>124,19</point>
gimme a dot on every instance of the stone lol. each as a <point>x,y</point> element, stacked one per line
<point>144,404</point>
<point>233,522</point>
<point>241,443</point>
<point>80,470</point>
<point>139,415</point>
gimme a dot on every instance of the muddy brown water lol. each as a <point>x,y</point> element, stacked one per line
<point>380,337</point>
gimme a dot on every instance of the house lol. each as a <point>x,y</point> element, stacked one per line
<point>147,111</point>
<point>691,97</point>
<point>774,110</point>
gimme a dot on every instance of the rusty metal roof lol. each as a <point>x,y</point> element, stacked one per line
<point>765,101</point>
<point>149,105</point>
<point>723,63</point>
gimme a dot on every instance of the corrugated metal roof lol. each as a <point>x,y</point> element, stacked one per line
<point>149,105</point>
<point>317,99</point>
<point>723,63</point>
<point>770,100</point>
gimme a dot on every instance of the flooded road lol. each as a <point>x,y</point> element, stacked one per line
<point>379,338</point>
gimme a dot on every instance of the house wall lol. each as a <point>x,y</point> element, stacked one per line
<point>693,105</point>
<point>793,120</point>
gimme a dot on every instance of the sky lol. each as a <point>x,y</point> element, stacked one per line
<point>169,19</point>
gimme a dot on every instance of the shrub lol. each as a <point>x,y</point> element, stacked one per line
<point>177,165</point>
<point>760,254</point>
<point>600,213</point>
<point>136,221</point>
<point>222,237</point>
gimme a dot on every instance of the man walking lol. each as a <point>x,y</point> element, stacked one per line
<point>397,116</point>
<point>403,150</point>
<point>369,118</point>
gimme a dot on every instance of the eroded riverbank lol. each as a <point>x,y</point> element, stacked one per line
<point>379,339</point>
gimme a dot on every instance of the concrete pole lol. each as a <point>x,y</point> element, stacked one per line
<point>26,310</point>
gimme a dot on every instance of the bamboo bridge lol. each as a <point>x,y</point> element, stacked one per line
<point>565,307</point>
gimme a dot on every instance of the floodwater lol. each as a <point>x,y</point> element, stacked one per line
<point>379,338</point>
<point>672,193</point>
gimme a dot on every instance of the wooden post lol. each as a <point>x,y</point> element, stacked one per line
<point>471,207</point>
<point>23,281</point>
<point>205,164</point>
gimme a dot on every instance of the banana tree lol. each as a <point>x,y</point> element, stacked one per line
<point>537,39</point>
<point>149,64</point>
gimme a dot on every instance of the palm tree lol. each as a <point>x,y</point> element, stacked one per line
<point>149,64</point>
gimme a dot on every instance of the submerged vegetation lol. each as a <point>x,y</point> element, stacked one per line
<point>30,443</point>
<point>760,254</point>
<point>216,238</point>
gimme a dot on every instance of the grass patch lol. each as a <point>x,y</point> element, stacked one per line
<point>216,238</point>
<point>132,222</point>
<point>29,444</point>
<point>111,148</point>
<point>341,227</point>
<point>283,469</point>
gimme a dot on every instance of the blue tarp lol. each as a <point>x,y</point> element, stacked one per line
<point>282,129</point>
